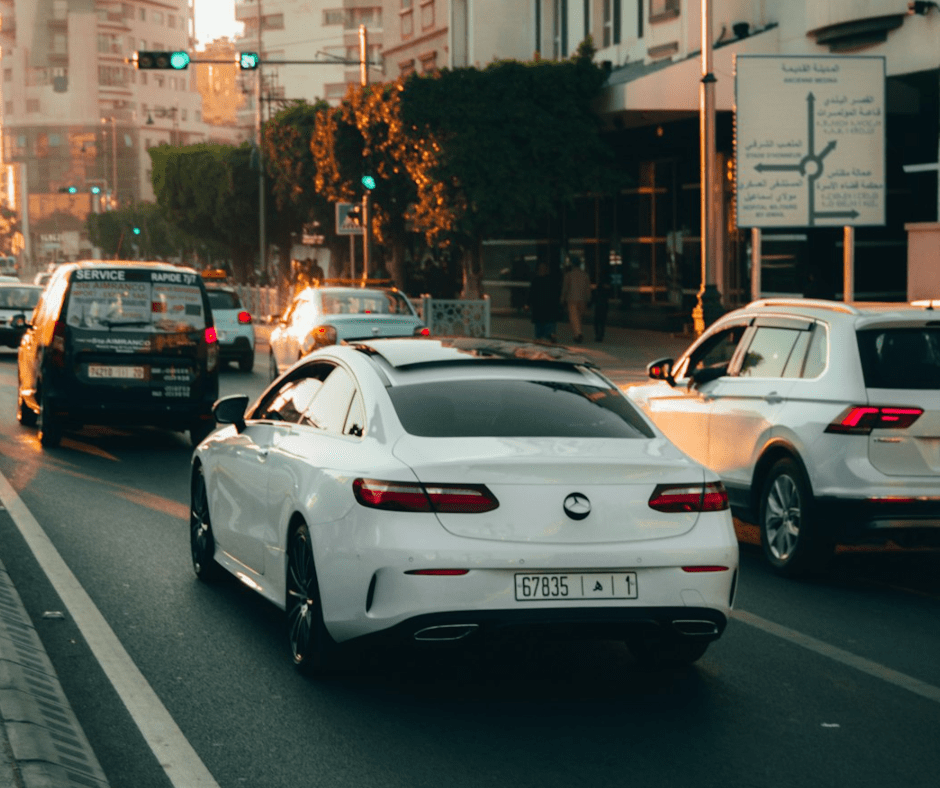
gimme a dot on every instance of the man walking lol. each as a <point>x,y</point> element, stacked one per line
<point>575,293</point>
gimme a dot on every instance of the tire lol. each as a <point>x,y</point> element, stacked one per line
<point>789,531</point>
<point>668,653</point>
<point>50,425</point>
<point>25,415</point>
<point>247,362</point>
<point>312,648</point>
<point>201,539</point>
<point>272,366</point>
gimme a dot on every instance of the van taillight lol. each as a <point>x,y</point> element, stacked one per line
<point>674,498</point>
<point>417,497</point>
<point>212,349</point>
<point>244,317</point>
<point>211,336</point>
<point>862,419</point>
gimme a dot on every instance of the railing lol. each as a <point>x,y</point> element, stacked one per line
<point>456,317</point>
<point>260,301</point>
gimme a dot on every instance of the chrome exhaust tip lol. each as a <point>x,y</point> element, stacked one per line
<point>695,627</point>
<point>445,632</point>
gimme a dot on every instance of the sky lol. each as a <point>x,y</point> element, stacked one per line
<point>215,18</point>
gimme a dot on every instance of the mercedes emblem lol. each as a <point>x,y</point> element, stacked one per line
<point>577,506</point>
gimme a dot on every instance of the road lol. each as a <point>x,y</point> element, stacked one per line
<point>834,682</point>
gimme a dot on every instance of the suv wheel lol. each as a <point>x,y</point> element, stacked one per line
<point>247,362</point>
<point>50,425</point>
<point>789,532</point>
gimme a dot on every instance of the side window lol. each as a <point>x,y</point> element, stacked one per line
<point>715,353</point>
<point>289,401</point>
<point>768,353</point>
<point>818,354</point>
<point>356,420</point>
<point>330,407</point>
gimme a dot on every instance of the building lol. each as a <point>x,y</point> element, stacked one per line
<point>223,91</point>
<point>77,116</point>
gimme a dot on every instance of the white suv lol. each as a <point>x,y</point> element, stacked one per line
<point>822,419</point>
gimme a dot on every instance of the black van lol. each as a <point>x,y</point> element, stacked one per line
<point>119,343</point>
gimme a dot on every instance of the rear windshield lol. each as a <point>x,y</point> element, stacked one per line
<point>224,299</point>
<point>134,300</point>
<point>19,297</point>
<point>516,409</point>
<point>364,302</point>
<point>900,358</point>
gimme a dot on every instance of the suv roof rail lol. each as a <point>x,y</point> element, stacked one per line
<point>814,303</point>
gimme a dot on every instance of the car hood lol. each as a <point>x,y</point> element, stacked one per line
<point>533,477</point>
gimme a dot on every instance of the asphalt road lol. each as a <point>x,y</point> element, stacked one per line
<point>834,682</point>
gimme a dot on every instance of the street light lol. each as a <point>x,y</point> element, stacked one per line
<point>114,182</point>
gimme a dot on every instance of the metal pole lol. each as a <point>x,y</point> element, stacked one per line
<point>708,308</point>
<point>366,204</point>
<point>848,264</point>
<point>755,263</point>
<point>262,241</point>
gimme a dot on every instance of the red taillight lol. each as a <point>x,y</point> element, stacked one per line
<point>57,346</point>
<point>416,497</point>
<point>438,572</point>
<point>211,336</point>
<point>710,497</point>
<point>862,419</point>
<point>705,568</point>
<point>422,331</point>
<point>244,317</point>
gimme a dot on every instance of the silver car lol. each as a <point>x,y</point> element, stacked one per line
<point>321,316</point>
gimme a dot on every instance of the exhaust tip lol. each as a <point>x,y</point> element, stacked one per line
<point>445,632</point>
<point>693,627</point>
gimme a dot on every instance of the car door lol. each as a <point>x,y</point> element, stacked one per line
<point>284,344</point>
<point>681,410</point>
<point>745,405</point>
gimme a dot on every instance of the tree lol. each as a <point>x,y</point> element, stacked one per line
<point>9,227</point>
<point>114,233</point>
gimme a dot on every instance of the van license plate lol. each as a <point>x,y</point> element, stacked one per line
<point>103,371</point>
<point>575,585</point>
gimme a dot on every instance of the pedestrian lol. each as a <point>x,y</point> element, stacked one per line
<point>316,272</point>
<point>543,303</point>
<point>602,295</point>
<point>575,294</point>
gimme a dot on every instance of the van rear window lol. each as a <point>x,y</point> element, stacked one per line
<point>139,301</point>
<point>900,358</point>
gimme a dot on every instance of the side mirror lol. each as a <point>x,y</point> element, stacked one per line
<point>661,369</point>
<point>231,410</point>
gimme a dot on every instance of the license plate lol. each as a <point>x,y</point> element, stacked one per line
<point>575,585</point>
<point>103,371</point>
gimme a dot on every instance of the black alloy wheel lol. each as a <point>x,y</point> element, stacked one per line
<point>312,648</point>
<point>201,540</point>
<point>789,531</point>
<point>50,425</point>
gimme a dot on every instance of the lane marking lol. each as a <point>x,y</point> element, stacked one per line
<point>173,751</point>
<point>876,669</point>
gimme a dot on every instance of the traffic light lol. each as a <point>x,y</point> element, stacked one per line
<point>166,60</point>
<point>136,231</point>
<point>96,190</point>
<point>69,190</point>
<point>368,181</point>
<point>249,60</point>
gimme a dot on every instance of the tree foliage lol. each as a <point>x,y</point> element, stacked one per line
<point>113,233</point>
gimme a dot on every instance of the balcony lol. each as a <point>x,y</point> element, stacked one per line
<point>246,9</point>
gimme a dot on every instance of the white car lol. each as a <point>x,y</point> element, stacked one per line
<point>320,316</point>
<point>436,490</point>
<point>821,418</point>
<point>234,326</point>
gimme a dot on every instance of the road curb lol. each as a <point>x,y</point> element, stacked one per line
<point>42,744</point>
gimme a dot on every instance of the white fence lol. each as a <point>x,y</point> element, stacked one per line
<point>456,317</point>
<point>260,301</point>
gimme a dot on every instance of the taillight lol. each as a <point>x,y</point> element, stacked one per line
<point>438,572</point>
<point>211,336</point>
<point>244,317</point>
<point>862,419</point>
<point>422,331</point>
<point>706,497</point>
<point>416,497</point>
<point>212,349</point>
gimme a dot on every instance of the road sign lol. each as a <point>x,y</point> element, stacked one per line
<point>809,141</point>
<point>344,224</point>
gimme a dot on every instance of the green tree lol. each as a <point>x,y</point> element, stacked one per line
<point>9,227</point>
<point>114,233</point>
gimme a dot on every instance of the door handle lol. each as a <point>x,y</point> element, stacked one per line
<point>773,398</point>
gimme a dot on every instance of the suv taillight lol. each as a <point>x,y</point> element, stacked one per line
<point>862,419</point>
<point>416,497</point>
<point>709,497</point>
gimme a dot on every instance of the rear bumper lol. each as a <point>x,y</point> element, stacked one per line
<point>10,337</point>
<point>914,520</point>
<point>78,406</point>
<point>236,349</point>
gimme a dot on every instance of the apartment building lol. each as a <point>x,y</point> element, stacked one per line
<point>77,116</point>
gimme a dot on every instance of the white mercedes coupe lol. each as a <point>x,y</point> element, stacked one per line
<point>438,490</point>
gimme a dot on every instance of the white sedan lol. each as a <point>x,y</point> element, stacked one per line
<point>320,316</point>
<point>441,490</point>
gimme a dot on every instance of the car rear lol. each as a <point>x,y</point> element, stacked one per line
<point>134,345</point>
<point>234,327</point>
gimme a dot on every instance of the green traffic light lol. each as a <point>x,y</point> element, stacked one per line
<point>368,181</point>
<point>73,190</point>
<point>179,60</point>
<point>136,231</point>
<point>249,60</point>
<point>96,190</point>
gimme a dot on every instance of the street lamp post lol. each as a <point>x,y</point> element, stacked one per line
<point>114,182</point>
<point>708,309</point>
<point>366,202</point>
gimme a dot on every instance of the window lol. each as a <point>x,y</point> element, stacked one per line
<point>8,75</point>
<point>560,30</point>
<point>333,16</point>
<point>664,9</point>
<point>171,21</point>
<point>156,17</point>
<point>407,23</point>
<point>330,407</point>
<point>32,105</point>
<point>142,14</point>
<point>900,358</point>
<point>60,44</point>
<point>612,17</point>
<point>769,352</point>
<point>713,355</point>
<point>274,21</point>
<point>427,14</point>
<point>60,9</point>
<point>127,10</point>
<point>406,3</point>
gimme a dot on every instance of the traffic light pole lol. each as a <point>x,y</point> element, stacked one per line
<point>366,202</point>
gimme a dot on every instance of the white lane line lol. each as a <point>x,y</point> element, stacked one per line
<point>875,669</point>
<point>173,751</point>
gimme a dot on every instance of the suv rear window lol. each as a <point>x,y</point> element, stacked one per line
<point>516,409</point>
<point>224,299</point>
<point>145,301</point>
<point>900,358</point>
